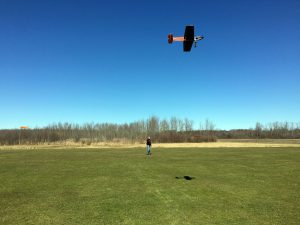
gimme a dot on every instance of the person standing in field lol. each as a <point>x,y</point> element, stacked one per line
<point>148,146</point>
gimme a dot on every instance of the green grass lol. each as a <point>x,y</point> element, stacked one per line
<point>122,186</point>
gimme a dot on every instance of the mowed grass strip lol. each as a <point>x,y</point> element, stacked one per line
<point>124,186</point>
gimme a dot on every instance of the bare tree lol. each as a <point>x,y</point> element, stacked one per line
<point>209,125</point>
<point>174,123</point>
<point>188,124</point>
<point>164,125</point>
<point>153,125</point>
<point>258,130</point>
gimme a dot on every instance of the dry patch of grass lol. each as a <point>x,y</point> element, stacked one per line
<point>234,143</point>
<point>221,144</point>
<point>266,140</point>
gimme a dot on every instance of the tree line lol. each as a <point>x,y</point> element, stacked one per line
<point>160,130</point>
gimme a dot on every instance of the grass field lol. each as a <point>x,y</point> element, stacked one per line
<point>258,186</point>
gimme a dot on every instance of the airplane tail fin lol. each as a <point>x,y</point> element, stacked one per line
<point>170,38</point>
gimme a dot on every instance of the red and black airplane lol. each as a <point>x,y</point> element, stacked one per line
<point>188,39</point>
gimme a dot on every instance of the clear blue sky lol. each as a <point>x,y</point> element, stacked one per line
<point>109,61</point>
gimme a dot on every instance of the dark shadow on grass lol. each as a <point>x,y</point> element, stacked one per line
<point>186,177</point>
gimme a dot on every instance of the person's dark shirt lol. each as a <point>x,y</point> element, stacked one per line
<point>149,142</point>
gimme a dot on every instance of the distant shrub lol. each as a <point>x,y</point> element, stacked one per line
<point>86,142</point>
<point>201,138</point>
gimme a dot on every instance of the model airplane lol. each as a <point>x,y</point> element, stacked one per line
<point>188,39</point>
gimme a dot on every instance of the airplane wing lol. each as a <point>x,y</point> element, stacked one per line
<point>188,38</point>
